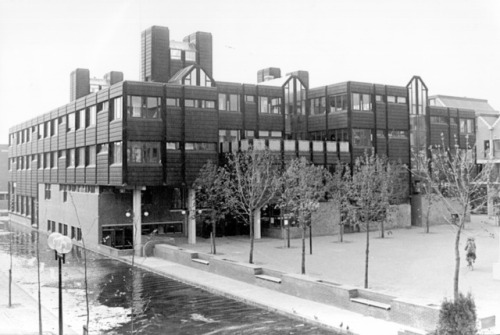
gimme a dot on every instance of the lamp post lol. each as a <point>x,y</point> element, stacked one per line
<point>61,245</point>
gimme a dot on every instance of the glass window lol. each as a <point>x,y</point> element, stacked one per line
<point>143,152</point>
<point>226,135</point>
<point>391,98</point>
<point>367,102</point>
<point>81,115</point>
<point>91,116</point>
<point>175,54</point>
<point>398,134</point>
<point>201,146</point>
<point>46,129</point>
<point>401,100</point>
<point>439,119</point>
<point>102,148</point>
<point>102,106</point>
<point>53,127</point>
<point>379,98</point>
<point>361,138</point>
<point>117,109</point>
<point>71,122</point>
<point>116,152</point>
<point>70,158</point>
<point>249,98</point>
<point>205,79</point>
<point>53,159</point>
<point>143,107</point>
<point>90,155</point>
<point>174,102</point>
<point>356,101</point>
<point>467,126</point>
<point>264,105</point>
<point>229,102</point>
<point>173,146</point>
<point>190,56</point>
<point>80,157</point>
<point>46,160</point>
<point>276,106</point>
<point>190,103</point>
<point>40,132</point>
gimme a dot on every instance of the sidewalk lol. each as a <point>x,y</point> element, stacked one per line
<point>22,317</point>
<point>309,311</point>
<point>407,263</point>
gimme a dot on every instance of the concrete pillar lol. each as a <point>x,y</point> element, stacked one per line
<point>191,216</point>
<point>137,220</point>
<point>256,225</point>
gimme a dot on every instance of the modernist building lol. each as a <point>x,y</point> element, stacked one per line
<point>118,163</point>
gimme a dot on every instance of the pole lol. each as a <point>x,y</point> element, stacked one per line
<point>60,296</point>
<point>310,239</point>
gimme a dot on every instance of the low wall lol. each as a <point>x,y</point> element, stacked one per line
<point>398,310</point>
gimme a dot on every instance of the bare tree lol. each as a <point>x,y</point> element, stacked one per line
<point>338,188</point>
<point>304,185</point>
<point>252,181</point>
<point>370,193</point>
<point>458,183</point>
<point>212,192</point>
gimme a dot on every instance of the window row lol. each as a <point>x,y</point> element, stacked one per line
<point>338,103</point>
<point>62,228</point>
<point>22,205</point>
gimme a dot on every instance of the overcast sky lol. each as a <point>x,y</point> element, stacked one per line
<point>454,45</point>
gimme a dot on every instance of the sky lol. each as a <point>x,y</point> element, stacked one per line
<point>453,45</point>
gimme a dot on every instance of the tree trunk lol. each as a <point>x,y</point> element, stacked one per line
<point>310,239</point>
<point>341,230</point>
<point>457,259</point>
<point>214,228</point>
<point>427,215</point>
<point>382,231</point>
<point>303,267</point>
<point>250,259</point>
<point>367,252</point>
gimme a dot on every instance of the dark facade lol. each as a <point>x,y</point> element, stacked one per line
<point>4,177</point>
<point>122,160</point>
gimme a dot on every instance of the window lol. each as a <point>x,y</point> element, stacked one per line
<point>65,230</point>
<point>143,152</point>
<point>276,106</point>
<point>102,148</point>
<point>318,105</point>
<point>80,119</point>
<point>46,160</point>
<point>391,98</point>
<point>53,160</point>
<point>200,146</point>
<point>175,54</point>
<point>28,135</point>
<point>53,127</point>
<point>117,109</point>
<point>174,102</point>
<point>398,134</point>
<point>40,132</point>
<point>102,106</point>
<point>60,230</point>
<point>467,126</point>
<point>249,98</point>
<point>73,232</point>
<point>70,156</point>
<point>79,234</point>
<point>361,102</point>
<point>190,56</point>
<point>226,135</point>
<point>439,119</point>
<point>116,152</point>
<point>47,191</point>
<point>40,161</point>
<point>401,100</point>
<point>229,102</point>
<point>379,98</point>
<point>90,155</point>
<point>80,157</point>
<point>361,138</point>
<point>338,103</point>
<point>191,78</point>
<point>46,129</point>
<point>173,146</point>
<point>91,116</point>
<point>71,122</point>
<point>143,107</point>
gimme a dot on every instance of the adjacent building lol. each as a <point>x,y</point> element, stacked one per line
<point>118,161</point>
<point>4,177</point>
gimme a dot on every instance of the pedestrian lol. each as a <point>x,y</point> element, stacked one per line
<point>470,248</point>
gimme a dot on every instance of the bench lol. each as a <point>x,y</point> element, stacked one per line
<point>371,303</point>
<point>201,261</point>
<point>269,278</point>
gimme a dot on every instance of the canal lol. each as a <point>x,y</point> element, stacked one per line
<point>126,300</point>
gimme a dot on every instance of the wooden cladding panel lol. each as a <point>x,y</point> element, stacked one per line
<point>116,90</point>
<point>337,89</point>
<point>398,118</point>
<point>145,175</point>
<point>317,122</point>
<point>54,176</point>
<point>46,175</point>
<point>230,120</point>
<point>102,127</point>
<point>358,152</point>
<point>54,143</point>
<point>397,90</point>
<point>80,175</point>
<point>436,138</point>
<point>270,91</point>
<point>464,141</point>
<point>318,158</point>
<point>381,147</point>
<point>46,144</point>
<point>116,130</point>
<point>251,111</point>
<point>70,139</point>
<point>361,87</point>
<point>144,130</point>
<point>194,162</point>
<point>196,92</point>
<point>380,114</point>
<point>174,124</point>
<point>91,99</point>
<point>116,175</point>
<point>102,95</point>
<point>332,158</point>
<point>271,122</point>
<point>90,175</point>
<point>337,120</point>
<point>362,119</point>
<point>438,111</point>
<point>102,169</point>
<point>80,138</point>
<point>174,168</point>
<point>145,89</point>
<point>61,170</point>
<point>230,88</point>
<point>345,157</point>
<point>399,149</point>
<point>201,126</point>
<point>70,175</point>
<point>90,136</point>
